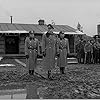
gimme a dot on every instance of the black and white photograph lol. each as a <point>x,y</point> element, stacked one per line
<point>49,49</point>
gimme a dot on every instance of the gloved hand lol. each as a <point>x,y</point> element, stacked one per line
<point>44,54</point>
<point>58,54</point>
<point>68,55</point>
<point>27,56</point>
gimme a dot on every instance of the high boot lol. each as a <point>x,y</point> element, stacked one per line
<point>49,75</point>
<point>29,72</point>
<point>33,72</point>
<point>62,69</point>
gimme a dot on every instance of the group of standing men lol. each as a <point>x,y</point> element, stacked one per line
<point>53,46</point>
<point>88,52</point>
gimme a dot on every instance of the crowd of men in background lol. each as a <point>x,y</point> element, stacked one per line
<point>57,46</point>
<point>88,51</point>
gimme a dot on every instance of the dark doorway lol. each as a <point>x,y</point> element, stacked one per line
<point>11,44</point>
<point>71,42</point>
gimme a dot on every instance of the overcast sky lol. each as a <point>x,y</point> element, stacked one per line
<point>69,12</point>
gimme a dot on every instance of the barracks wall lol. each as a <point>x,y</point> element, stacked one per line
<point>2,45</point>
<point>19,46</point>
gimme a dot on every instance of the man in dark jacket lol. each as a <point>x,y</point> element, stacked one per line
<point>80,51</point>
<point>96,51</point>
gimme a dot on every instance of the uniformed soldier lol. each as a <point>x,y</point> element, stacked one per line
<point>80,51</point>
<point>96,51</point>
<point>88,48</point>
<point>77,49</point>
<point>49,41</point>
<point>31,52</point>
<point>92,54</point>
<point>63,46</point>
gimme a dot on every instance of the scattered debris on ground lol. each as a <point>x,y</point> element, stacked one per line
<point>79,82</point>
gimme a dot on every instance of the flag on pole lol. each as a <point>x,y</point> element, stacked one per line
<point>79,27</point>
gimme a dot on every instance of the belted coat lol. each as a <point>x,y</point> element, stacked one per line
<point>63,46</point>
<point>49,47</point>
<point>32,50</point>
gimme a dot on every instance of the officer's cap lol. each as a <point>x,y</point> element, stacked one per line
<point>31,32</point>
<point>96,36</point>
<point>50,26</point>
<point>61,32</point>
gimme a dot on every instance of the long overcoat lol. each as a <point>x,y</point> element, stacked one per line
<point>31,49</point>
<point>63,46</point>
<point>49,47</point>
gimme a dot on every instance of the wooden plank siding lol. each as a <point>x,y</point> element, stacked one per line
<point>2,45</point>
<point>22,45</point>
<point>39,30</point>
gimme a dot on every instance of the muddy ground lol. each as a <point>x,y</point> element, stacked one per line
<point>80,81</point>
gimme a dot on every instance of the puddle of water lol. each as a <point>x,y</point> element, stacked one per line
<point>13,94</point>
<point>5,97</point>
<point>19,96</point>
<point>4,65</point>
<point>30,91</point>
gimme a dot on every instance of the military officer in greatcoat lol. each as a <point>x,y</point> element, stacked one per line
<point>31,52</point>
<point>49,41</point>
<point>63,46</point>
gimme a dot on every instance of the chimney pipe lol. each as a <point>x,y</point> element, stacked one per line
<point>11,19</point>
<point>41,22</point>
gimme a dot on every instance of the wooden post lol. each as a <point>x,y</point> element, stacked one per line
<point>11,19</point>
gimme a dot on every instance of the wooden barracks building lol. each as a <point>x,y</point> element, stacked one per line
<point>12,35</point>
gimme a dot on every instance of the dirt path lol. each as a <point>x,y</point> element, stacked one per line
<point>80,81</point>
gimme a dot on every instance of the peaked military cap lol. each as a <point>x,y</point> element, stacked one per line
<point>61,32</point>
<point>31,32</point>
<point>97,36</point>
<point>50,26</point>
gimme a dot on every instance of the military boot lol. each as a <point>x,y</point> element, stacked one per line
<point>49,75</point>
<point>62,69</point>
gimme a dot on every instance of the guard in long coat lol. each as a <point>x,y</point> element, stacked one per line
<point>49,41</point>
<point>63,45</point>
<point>31,52</point>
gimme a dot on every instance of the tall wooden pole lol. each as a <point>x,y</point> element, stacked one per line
<point>11,19</point>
